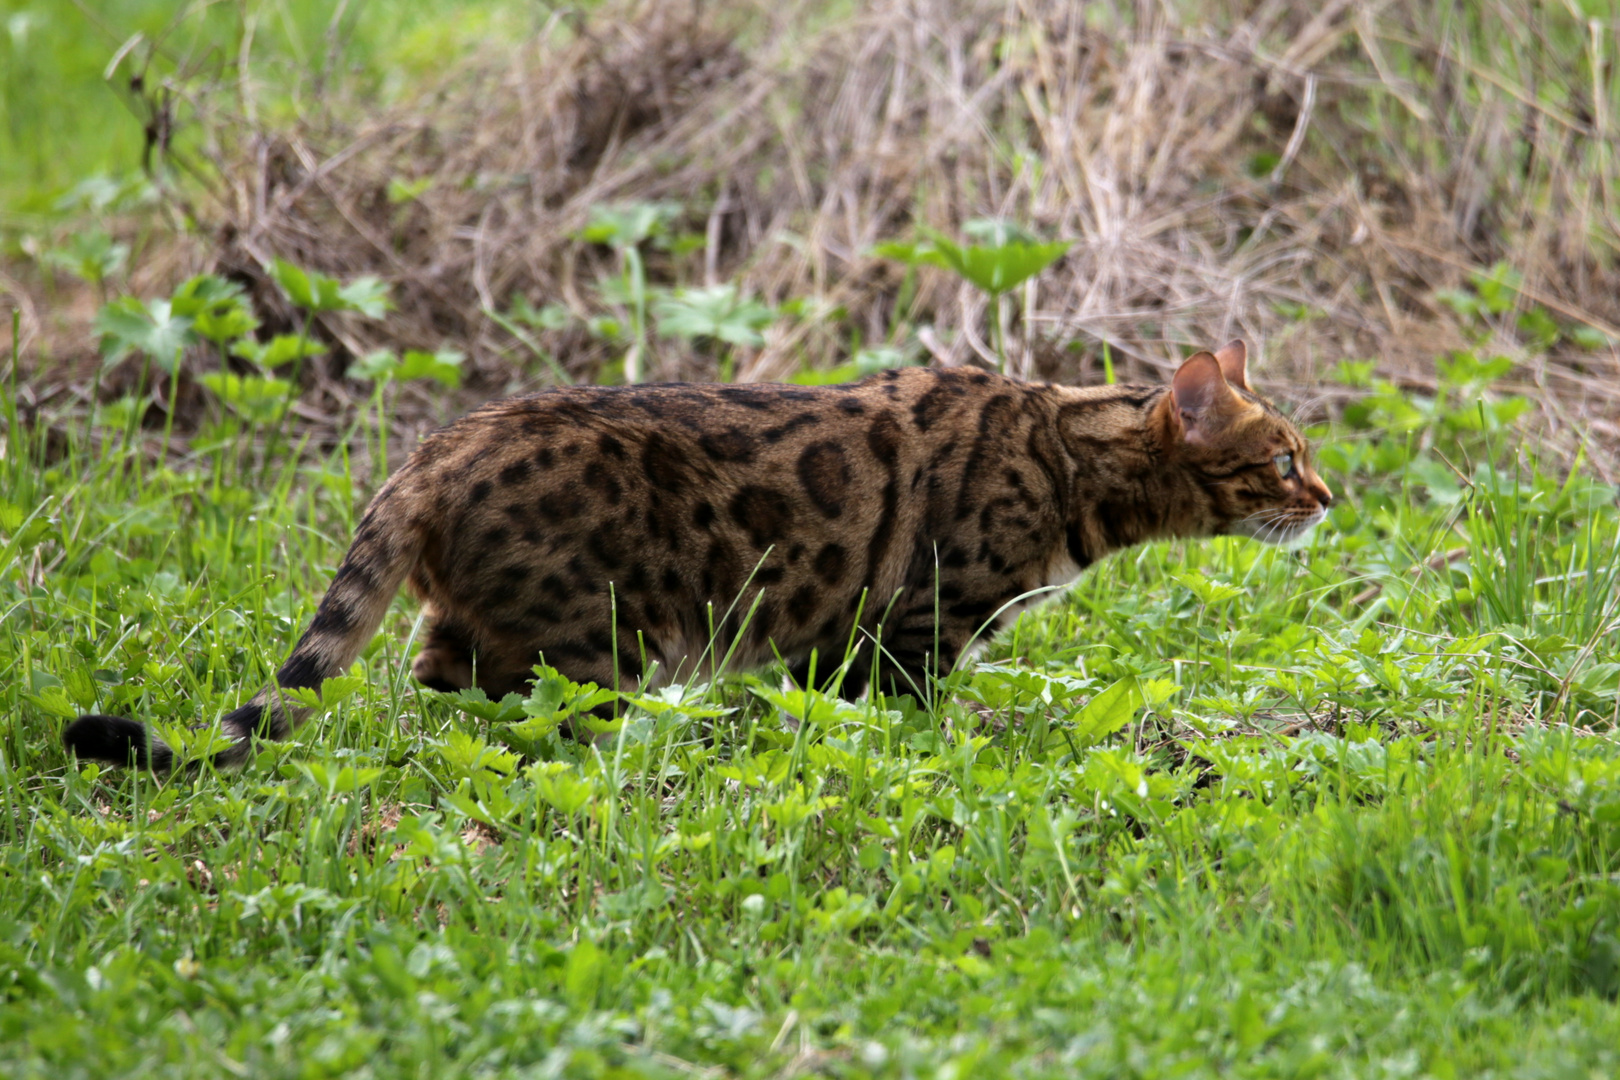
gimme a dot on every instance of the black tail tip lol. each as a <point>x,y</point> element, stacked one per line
<point>107,738</point>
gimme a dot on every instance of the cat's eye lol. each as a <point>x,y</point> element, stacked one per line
<point>1285,465</point>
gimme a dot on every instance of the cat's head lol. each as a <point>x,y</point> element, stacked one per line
<point>1253,464</point>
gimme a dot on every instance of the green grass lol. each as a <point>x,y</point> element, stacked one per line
<point>1340,834</point>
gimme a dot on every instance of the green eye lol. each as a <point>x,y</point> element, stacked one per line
<point>1285,465</point>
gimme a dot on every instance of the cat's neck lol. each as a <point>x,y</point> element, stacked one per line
<point>1126,488</point>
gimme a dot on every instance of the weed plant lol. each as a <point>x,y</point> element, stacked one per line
<point>1351,809</point>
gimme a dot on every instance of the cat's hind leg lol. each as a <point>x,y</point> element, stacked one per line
<point>445,661</point>
<point>831,675</point>
<point>449,661</point>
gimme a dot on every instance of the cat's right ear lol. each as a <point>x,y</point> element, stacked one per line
<point>1202,395</point>
<point>1234,360</point>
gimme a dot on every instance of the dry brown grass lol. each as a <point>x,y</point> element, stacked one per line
<point>1220,172</point>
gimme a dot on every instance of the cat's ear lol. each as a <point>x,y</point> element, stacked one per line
<point>1234,360</point>
<point>1201,394</point>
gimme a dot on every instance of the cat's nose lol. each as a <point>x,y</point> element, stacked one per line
<point>1323,495</point>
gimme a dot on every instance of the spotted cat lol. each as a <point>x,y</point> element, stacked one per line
<point>636,535</point>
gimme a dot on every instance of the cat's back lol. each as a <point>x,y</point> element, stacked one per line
<point>674,438</point>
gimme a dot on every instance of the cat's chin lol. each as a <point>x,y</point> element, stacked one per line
<point>1283,535</point>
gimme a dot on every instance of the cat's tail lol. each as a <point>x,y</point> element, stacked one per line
<point>385,550</point>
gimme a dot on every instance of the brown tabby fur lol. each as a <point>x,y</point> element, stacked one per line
<point>635,535</point>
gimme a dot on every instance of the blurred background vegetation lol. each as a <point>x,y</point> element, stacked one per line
<point>575,193</point>
<point>66,121</point>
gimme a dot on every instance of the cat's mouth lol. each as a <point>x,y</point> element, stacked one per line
<point>1279,526</point>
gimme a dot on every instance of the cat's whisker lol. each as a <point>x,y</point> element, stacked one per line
<point>1277,525</point>
<point>1259,524</point>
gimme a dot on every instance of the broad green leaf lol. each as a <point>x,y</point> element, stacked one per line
<point>478,809</point>
<point>794,807</point>
<point>998,269</point>
<point>469,756</point>
<point>1542,329</point>
<point>1156,692</point>
<point>1207,591</point>
<point>1464,303</point>
<point>1355,373</point>
<point>255,398</point>
<point>673,699</point>
<point>295,282</point>
<point>99,193</point>
<point>561,785</point>
<point>404,191</point>
<point>716,312</point>
<point>1589,337</point>
<point>526,736</point>
<point>880,358</point>
<point>1508,410</point>
<point>80,686</point>
<point>995,684</point>
<point>474,702</point>
<point>189,743</point>
<point>226,324</point>
<point>443,366</point>
<point>901,251</point>
<point>616,290</point>
<point>1498,288</point>
<point>53,701</point>
<point>333,692</point>
<point>203,292</point>
<point>338,780</point>
<point>378,365</point>
<point>997,232</point>
<point>90,256</point>
<point>367,295</point>
<point>279,350</point>
<point>761,770</point>
<point>217,308</point>
<point>582,974</point>
<point>314,291</point>
<point>549,317</point>
<point>604,327</point>
<point>1465,368</point>
<point>827,376</point>
<point>623,225</point>
<point>127,325</point>
<point>865,362</point>
<point>554,696</point>
<point>1109,711</point>
<point>994,267</point>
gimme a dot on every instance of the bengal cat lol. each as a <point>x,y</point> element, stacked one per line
<point>631,535</point>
